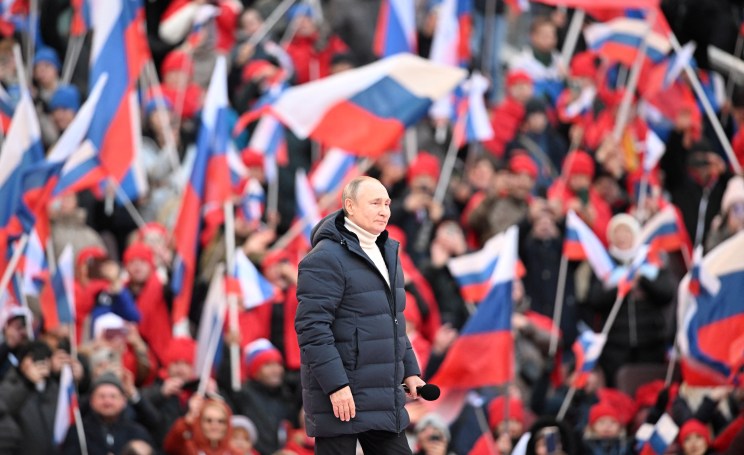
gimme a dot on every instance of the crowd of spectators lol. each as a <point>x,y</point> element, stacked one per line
<point>137,383</point>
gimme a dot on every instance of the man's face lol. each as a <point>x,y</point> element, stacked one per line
<point>522,185</point>
<point>15,332</point>
<point>694,444</point>
<point>521,92</point>
<point>181,370</point>
<point>607,427</point>
<point>271,374</point>
<point>371,209</point>
<point>544,37</point>
<point>45,73</point>
<point>138,270</point>
<point>108,401</point>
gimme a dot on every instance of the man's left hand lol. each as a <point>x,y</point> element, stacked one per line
<point>413,382</point>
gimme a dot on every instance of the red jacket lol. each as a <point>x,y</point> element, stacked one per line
<point>302,50</point>
<point>505,121</point>
<point>186,439</point>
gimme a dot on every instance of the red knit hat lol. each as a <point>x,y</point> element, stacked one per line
<point>251,158</point>
<point>600,410</point>
<point>181,349</point>
<point>254,67</point>
<point>623,404</point>
<point>424,164</point>
<point>140,251</point>
<point>88,253</point>
<point>517,77</point>
<point>579,163</point>
<point>647,394</point>
<point>177,61</point>
<point>496,411</point>
<point>523,164</point>
<point>584,65</point>
<point>694,426</point>
<point>258,353</point>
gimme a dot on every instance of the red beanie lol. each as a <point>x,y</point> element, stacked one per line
<point>182,349</point>
<point>523,164</point>
<point>88,253</point>
<point>254,67</point>
<point>583,65</point>
<point>424,164</point>
<point>694,426</point>
<point>496,411</point>
<point>579,163</point>
<point>141,251</point>
<point>600,410</point>
<point>177,61</point>
<point>623,404</point>
<point>251,158</point>
<point>647,394</point>
<point>154,228</point>
<point>517,77</point>
<point>258,353</point>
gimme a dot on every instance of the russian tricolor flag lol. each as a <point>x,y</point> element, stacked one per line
<point>335,169</point>
<point>473,271</point>
<point>366,110</point>
<point>269,140</point>
<point>254,287</point>
<point>252,202</point>
<point>209,337</point>
<point>587,349</point>
<point>451,41</point>
<point>663,75</point>
<point>581,244</point>
<point>202,202</point>
<point>655,439</point>
<point>58,297</point>
<point>483,354</point>
<point>618,40</point>
<point>307,205</point>
<point>396,28</point>
<point>473,123</point>
<point>67,404</point>
<point>711,311</point>
<point>665,232</point>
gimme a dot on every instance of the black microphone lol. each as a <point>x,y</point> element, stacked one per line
<point>428,392</point>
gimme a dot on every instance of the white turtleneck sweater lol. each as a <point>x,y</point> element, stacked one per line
<point>367,242</point>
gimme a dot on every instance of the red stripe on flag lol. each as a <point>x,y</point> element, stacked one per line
<point>480,360</point>
<point>184,235</point>
<point>117,148</point>
<point>383,17</point>
<point>573,251</point>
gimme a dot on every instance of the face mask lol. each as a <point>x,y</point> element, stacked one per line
<point>624,256</point>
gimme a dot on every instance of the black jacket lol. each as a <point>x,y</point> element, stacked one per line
<point>351,330</point>
<point>32,410</point>
<point>103,438</point>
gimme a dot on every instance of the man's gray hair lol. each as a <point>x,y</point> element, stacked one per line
<point>352,189</point>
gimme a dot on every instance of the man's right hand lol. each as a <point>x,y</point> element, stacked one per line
<point>343,404</point>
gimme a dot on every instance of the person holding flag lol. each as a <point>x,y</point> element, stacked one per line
<point>638,333</point>
<point>352,333</point>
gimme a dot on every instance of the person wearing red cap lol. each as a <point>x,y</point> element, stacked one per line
<point>149,292</point>
<point>507,423</point>
<point>694,438</point>
<point>264,397</point>
<point>176,383</point>
<point>507,115</point>
<point>576,104</point>
<point>573,191</point>
<point>500,210</point>
<point>605,433</point>
<point>179,87</point>
<point>418,206</point>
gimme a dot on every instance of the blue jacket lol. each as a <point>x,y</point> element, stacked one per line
<point>351,330</point>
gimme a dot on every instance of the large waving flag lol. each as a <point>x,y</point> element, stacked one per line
<point>663,75</point>
<point>606,4</point>
<point>451,41</point>
<point>202,203</point>
<point>335,169</point>
<point>120,49</point>
<point>366,110</point>
<point>67,403</point>
<point>587,348</point>
<point>307,205</point>
<point>710,315</point>
<point>21,150</point>
<point>396,28</point>
<point>665,231</point>
<point>581,244</point>
<point>619,40</point>
<point>473,271</point>
<point>483,353</point>
<point>254,287</point>
<point>473,123</point>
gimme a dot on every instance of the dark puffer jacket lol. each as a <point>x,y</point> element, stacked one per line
<point>351,331</point>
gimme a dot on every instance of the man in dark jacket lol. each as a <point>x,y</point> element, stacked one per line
<point>351,330</point>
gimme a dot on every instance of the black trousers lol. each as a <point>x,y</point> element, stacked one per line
<point>373,442</point>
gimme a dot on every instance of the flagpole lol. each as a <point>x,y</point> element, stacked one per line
<point>558,308</point>
<point>270,22</point>
<point>641,209</point>
<point>624,111</point>
<point>720,134</point>
<point>488,33</point>
<point>232,299</point>
<point>605,331</point>
<point>730,82</point>
<point>272,200</point>
<point>71,58</point>
<point>483,422</point>
<point>670,367</point>
<point>572,37</point>
<point>33,19</point>
<point>13,263</point>
<point>411,144</point>
<point>80,430</point>
<point>204,374</point>
<point>131,209</point>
